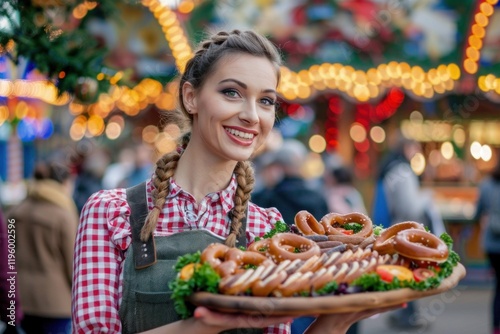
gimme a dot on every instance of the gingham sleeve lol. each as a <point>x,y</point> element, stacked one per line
<point>103,235</point>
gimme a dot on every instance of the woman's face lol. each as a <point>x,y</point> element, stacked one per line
<point>234,110</point>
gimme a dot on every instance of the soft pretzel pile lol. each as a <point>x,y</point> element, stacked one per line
<point>283,277</point>
<point>289,264</point>
<point>409,240</point>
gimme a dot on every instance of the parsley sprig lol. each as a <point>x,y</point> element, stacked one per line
<point>355,227</point>
<point>279,227</point>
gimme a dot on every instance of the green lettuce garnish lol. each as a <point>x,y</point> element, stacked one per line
<point>204,278</point>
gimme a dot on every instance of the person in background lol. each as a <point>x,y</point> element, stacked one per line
<point>89,177</point>
<point>398,188</point>
<point>341,195</point>
<point>292,193</point>
<point>46,223</point>
<point>142,168</point>
<point>199,194</point>
<point>116,172</point>
<point>10,308</point>
<point>488,213</point>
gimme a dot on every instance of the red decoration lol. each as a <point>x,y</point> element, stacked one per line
<point>388,106</point>
<point>331,124</point>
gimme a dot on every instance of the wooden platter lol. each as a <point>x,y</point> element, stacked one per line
<point>299,306</point>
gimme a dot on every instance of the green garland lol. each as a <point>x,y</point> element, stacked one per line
<point>54,50</point>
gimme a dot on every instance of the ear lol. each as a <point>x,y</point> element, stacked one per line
<point>189,97</point>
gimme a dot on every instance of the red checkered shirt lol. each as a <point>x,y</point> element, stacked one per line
<point>104,235</point>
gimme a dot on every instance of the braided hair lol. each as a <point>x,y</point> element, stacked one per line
<point>198,69</point>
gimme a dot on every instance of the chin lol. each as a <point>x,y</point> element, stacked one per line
<point>240,154</point>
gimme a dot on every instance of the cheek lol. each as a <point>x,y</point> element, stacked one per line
<point>267,122</point>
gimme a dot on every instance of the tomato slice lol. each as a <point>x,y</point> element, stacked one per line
<point>387,272</point>
<point>421,274</point>
<point>348,232</point>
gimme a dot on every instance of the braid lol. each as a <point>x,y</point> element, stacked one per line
<point>216,39</point>
<point>245,178</point>
<point>165,168</point>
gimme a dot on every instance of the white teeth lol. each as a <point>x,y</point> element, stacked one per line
<point>240,134</point>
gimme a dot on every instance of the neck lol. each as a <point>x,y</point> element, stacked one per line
<point>200,173</point>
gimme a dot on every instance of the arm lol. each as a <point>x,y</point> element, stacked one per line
<point>97,263</point>
<point>208,322</point>
<point>339,323</point>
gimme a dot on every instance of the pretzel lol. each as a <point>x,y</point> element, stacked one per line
<point>384,244</point>
<point>307,224</point>
<point>332,221</point>
<point>420,245</point>
<point>214,254</point>
<point>278,249</point>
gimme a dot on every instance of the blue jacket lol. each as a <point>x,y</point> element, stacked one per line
<point>489,195</point>
<point>291,195</point>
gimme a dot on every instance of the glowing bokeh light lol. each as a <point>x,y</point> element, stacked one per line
<point>357,132</point>
<point>418,163</point>
<point>447,150</point>
<point>317,143</point>
<point>486,152</point>
<point>113,130</point>
<point>475,150</point>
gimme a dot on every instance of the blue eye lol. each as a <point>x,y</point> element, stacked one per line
<point>268,101</point>
<point>231,92</point>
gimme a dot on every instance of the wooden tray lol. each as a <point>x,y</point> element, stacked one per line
<point>296,306</point>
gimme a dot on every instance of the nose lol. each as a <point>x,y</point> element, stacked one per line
<point>249,114</point>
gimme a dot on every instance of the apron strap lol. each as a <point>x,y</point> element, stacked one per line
<point>144,252</point>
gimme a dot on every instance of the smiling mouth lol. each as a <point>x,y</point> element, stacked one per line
<point>240,134</point>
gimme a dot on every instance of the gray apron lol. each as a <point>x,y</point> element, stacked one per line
<point>148,270</point>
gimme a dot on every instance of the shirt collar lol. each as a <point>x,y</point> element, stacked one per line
<point>225,196</point>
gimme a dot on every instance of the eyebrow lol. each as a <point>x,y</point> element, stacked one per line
<point>241,84</point>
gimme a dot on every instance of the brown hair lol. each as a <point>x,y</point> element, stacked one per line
<point>198,69</point>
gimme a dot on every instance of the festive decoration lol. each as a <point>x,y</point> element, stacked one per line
<point>475,41</point>
<point>55,39</point>
<point>86,90</point>
<point>344,47</point>
<point>331,124</point>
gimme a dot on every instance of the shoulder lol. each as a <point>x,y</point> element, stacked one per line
<point>401,172</point>
<point>261,220</point>
<point>107,212</point>
<point>105,202</point>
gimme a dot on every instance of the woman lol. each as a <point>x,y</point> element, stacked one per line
<point>45,226</point>
<point>198,195</point>
<point>488,211</point>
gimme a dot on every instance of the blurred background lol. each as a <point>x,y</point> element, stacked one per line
<point>89,81</point>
